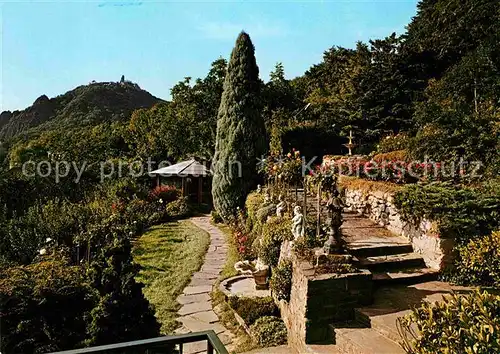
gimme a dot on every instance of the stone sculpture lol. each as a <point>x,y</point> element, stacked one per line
<point>257,269</point>
<point>281,207</point>
<point>335,207</point>
<point>297,222</point>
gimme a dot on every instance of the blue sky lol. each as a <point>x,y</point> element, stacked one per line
<point>51,47</point>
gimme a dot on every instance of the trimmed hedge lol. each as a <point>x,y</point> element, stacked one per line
<point>251,309</point>
<point>269,331</point>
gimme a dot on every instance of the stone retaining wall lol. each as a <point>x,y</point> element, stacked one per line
<point>317,301</point>
<point>378,206</point>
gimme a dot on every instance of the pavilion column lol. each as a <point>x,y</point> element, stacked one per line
<point>200,190</point>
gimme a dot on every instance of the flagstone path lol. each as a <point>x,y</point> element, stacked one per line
<point>196,313</point>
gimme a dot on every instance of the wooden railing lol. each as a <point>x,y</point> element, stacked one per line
<point>160,345</point>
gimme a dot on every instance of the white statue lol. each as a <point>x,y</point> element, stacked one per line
<point>259,188</point>
<point>281,207</point>
<point>297,222</point>
<point>267,199</point>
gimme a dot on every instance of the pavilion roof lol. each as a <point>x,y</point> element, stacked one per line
<point>183,169</point>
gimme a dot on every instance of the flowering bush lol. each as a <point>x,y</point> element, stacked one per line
<point>283,169</point>
<point>164,194</point>
<point>242,237</point>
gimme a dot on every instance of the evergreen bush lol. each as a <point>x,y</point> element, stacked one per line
<point>122,313</point>
<point>252,205</point>
<point>178,208</point>
<point>460,212</point>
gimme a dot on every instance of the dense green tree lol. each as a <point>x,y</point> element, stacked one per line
<point>184,127</point>
<point>240,130</point>
<point>122,313</point>
<point>459,117</point>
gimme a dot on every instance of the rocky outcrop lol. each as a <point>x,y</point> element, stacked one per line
<point>85,105</point>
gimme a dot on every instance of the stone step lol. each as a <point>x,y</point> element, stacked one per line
<point>391,262</point>
<point>364,341</point>
<point>379,249</point>
<point>406,277</point>
<point>271,350</point>
<point>384,323</point>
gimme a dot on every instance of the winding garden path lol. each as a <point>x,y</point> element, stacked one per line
<point>196,313</point>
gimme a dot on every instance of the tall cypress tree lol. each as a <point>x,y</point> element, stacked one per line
<point>240,130</point>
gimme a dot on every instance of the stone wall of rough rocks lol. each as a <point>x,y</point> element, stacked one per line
<point>317,301</point>
<point>378,206</point>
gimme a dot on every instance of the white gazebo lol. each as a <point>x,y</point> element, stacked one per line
<point>186,171</point>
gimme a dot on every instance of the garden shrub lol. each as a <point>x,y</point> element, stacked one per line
<point>45,307</point>
<point>264,212</point>
<point>278,228</point>
<point>478,262</point>
<point>178,208</point>
<point>124,189</point>
<point>253,203</point>
<point>22,237</point>
<point>460,324</point>
<point>215,217</point>
<point>460,212</point>
<point>269,331</point>
<point>274,232</point>
<point>252,308</point>
<point>281,280</point>
<point>391,143</point>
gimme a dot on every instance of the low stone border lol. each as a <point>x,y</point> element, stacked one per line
<point>224,286</point>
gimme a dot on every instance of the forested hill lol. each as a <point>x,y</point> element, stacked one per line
<point>85,105</point>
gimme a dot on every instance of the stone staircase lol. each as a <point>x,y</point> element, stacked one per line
<point>395,267</point>
<point>389,257</point>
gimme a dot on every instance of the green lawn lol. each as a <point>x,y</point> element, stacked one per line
<point>169,254</point>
